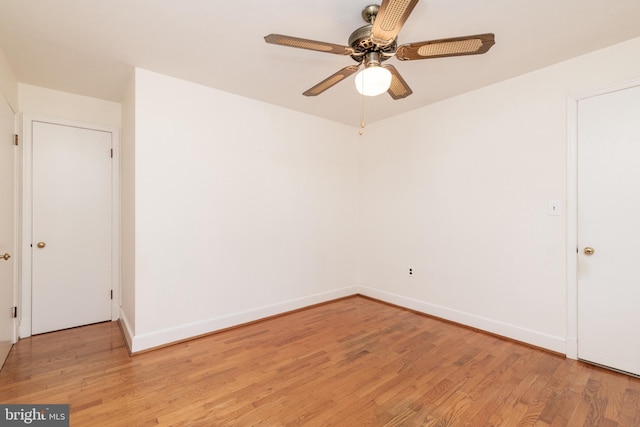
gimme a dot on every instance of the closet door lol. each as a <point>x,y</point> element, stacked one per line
<point>71,223</point>
<point>609,229</point>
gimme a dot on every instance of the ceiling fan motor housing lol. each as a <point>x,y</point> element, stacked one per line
<point>360,41</point>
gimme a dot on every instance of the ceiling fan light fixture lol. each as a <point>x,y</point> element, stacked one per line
<point>376,42</point>
<point>374,80</point>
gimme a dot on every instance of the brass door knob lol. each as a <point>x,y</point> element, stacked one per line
<point>5,257</point>
<point>41,245</point>
<point>589,250</point>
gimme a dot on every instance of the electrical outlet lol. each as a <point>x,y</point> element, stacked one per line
<point>411,271</point>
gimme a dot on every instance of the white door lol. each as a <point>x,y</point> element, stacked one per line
<point>7,225</point>
<point>71,223</point>
<point>609,223</point>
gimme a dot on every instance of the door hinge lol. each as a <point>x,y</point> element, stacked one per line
<point>14,312</point>
<point>111,293</point>
<point>15,139</point>
<point>112,153</point>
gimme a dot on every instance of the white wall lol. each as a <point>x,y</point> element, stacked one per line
<point>459,191</point>
<point>8,83</point>
<point>242,209</point>
<point>64,105</point>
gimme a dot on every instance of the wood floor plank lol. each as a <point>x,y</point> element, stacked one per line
<point>351,362</point>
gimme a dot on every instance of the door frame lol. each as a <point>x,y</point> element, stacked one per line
<point>14,246</point>
<point>26,147</point>
<point>572,207</point>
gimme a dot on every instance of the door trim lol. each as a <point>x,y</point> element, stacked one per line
<point>26,148</point>
<point>572,207</point>
<point>13,246</point>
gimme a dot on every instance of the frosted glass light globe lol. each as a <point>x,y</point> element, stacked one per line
<point>373,81</point>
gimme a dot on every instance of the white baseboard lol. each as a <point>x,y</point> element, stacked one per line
<point>126,329</point>
<point>536,338</point>
<point>159,338</point>
<point>163,337</point>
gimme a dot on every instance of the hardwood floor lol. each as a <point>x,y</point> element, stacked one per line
<point>352,362</point>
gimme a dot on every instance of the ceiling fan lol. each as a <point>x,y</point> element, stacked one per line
<point>376,42</point>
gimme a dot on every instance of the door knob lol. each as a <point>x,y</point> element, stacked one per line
<point>589,250</point>
<point>41,245</point>
<point>5,257</point>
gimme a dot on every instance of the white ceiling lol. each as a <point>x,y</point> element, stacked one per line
<point>89,47</point>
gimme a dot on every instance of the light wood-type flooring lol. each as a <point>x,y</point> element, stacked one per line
<point>351,362</point>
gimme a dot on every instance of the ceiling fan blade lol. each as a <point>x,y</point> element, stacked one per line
<point>391,17</point>
<point>455,46</point>
<point>308,44</point>
<point>399,88</point>
<point>332,80</point>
